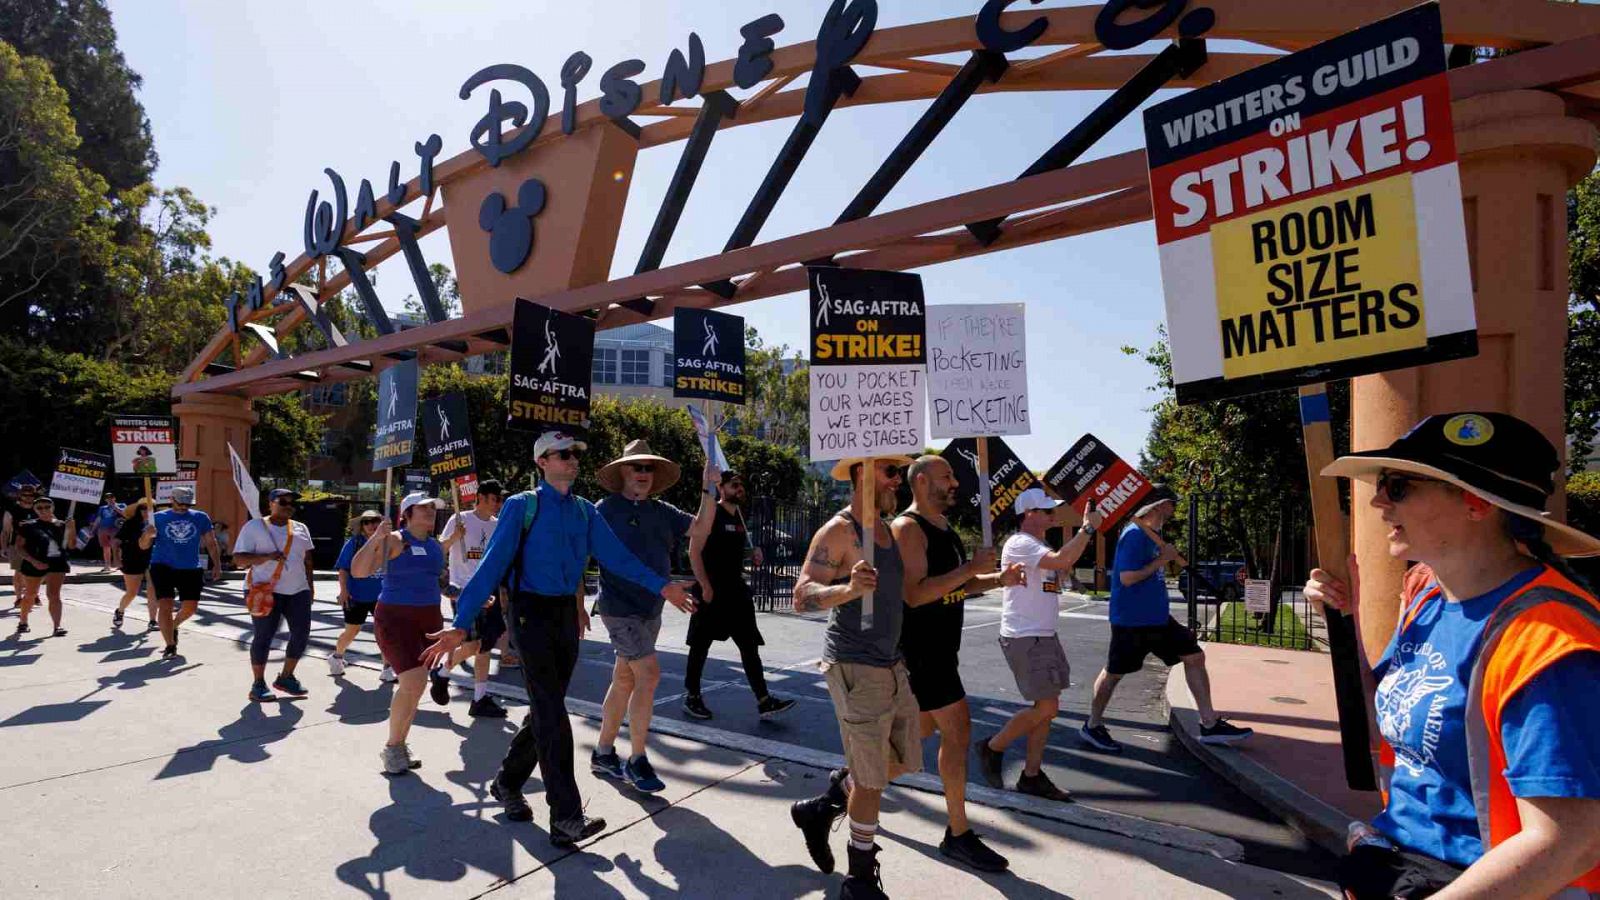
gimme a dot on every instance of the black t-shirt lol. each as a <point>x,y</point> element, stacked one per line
<point>44,540</point>
<point>128,533</point>
<point>19,514</point>
<point>723,555</point>
<point>934,629</point>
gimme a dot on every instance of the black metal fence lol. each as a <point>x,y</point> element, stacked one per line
<point>1227,548</point>
<point>783,531</point>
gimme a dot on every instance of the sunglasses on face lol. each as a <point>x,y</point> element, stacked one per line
<point>643,468</point>
<point>371,523</point>
<point>563,455</point>
<point>1397,485</point>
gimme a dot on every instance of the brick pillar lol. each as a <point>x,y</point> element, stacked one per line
<point>1520,152</point>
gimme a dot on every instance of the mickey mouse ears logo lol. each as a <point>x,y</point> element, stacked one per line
<point>1468,430</point>
<point>511,230</point>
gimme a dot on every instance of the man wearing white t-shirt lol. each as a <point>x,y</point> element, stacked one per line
<point>278,547</point>
<point>465,538</point>
<point>1029,613</point>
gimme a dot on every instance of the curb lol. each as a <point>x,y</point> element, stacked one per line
<point>1321,823</point>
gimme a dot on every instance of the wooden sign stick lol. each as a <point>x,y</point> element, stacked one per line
<point>869,543</point>
<point>1333,550</point>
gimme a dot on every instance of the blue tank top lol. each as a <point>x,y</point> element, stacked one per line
<point>412,578</point>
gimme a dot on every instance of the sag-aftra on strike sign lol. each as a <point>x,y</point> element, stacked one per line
<point>1309,216</point>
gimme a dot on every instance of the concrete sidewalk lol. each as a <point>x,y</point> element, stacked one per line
<point>1293,765</point>
<point>127,776</point>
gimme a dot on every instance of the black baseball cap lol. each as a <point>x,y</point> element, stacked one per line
<point>277,493</point>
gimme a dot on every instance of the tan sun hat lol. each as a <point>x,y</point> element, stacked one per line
<point>667,471</point>
<point>841,469</point>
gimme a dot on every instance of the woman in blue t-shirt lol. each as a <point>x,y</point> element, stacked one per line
<point>357,596</point>
<point>1492,742</point>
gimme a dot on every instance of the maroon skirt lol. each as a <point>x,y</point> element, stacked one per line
<point>402,632</point>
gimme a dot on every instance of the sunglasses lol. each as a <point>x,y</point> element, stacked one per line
<point>645,468</point>
<point>1397,485</point>
<point>563,455</point>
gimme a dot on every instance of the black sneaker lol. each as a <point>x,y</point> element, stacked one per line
<point>695,708</point>
<point>260,693</point>
<point>116,619</point>
<point>608,765</point>
<point>1040,785</point>
<point>516,805</point>
<point>22,628</point>
<point>289,686</point>
<point>1099,738</point>
<point>169,651</point>
<point>863,882</point>
<point>990,762</point>
<point>485,708</point>
<point>816,817</point>
<point>970,850</point>
<point>773,706</point>
<point>59,632</point>
<point>572,831</point>
<point>1224,732</point>
<point>439,688</point>
<point>154,626</point>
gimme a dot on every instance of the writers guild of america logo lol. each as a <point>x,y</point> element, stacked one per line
<point>1400,693</point>
<point>180,531</point>
<point>710,346</point>
<point>551,351</point>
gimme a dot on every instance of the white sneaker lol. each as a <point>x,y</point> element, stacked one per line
<point>335,666</point>
<point>387,676</point>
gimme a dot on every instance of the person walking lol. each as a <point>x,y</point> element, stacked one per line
<point>16,512</point>
<point>43,542</point>
<point>277,551</point>
<point>357,596</point>
<point>938,576</point>
<point>106,520</point>
<point>1029,614</point>
<point>544,539</point>
<point>175,538</point>
<point>465,538</point>
<point>865,672</point>
<point>407,610</point>
<point>1142,624</point>
<point>1490,750</point>
<point>724,608</point>
<point>649,528</point>
<point>134,561</point>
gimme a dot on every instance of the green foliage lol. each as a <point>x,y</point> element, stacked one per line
<point>1582,373</point>
<point>78,40</point>
<point>282,442</point>
<point>1583,501</point>
<point>769,470</point>
<point>444,281</point>
<point>779,404</point>
<point>1236,625</point>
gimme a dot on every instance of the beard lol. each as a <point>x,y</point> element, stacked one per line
<point>886,502</point>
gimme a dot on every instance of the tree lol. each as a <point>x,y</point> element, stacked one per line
<point>51,207</point>
<point>778,406</point>
<point>281,443</point>
<point>444,282</point>
<point>1582,369</point>
<point>78,40</point>
<point>1251,445</point>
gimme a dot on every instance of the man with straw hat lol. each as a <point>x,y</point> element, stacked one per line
<point>649,527</point>
<point>1490,751</point>
<point>865,671</point>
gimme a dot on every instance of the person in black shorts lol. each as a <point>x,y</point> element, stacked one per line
<point>135,561</point>
<point>175,538</point>
<point>938,576</point>
<point>16,512</point>
<point>724,609</point>
<point>42,544</point>
<point>1141,625</point>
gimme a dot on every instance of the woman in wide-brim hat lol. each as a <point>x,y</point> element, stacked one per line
<point>638,453</point>
<point>1490,749</point>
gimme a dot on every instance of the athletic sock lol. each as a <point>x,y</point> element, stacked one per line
<point>862,834</point>
<point>605,749</point>
<point>480,690</point>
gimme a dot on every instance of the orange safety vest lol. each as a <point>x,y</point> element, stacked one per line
<point>1549,618</point>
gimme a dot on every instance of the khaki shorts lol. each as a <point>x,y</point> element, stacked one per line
<point>633,639</point>
<point>1039,665</point>
<point>877,720</point>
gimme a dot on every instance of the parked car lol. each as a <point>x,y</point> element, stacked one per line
<point>1220,579</point>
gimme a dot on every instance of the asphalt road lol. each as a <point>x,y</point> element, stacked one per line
<point>1154,777</point>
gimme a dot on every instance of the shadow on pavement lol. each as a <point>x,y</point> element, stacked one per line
<point>706,861</point>
<point>243,740</point>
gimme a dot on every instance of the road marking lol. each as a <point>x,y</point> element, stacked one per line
<point>980,625</point>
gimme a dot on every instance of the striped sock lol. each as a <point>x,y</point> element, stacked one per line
<point>862,834</point>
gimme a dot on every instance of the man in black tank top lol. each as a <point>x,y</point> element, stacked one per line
<point>938,576</point>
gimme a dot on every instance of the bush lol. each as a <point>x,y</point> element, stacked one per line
<point>1583,502</point>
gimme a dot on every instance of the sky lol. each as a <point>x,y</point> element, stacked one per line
<point>249,101</point>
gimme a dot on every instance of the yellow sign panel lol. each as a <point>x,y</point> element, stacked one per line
<point>1319,281</point>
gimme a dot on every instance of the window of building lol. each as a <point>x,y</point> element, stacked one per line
<point>635,367</point>
<point>605,366</point>
<point>328,394</point>
<point>666,368</point>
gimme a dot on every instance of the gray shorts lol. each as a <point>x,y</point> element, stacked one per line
<point>1039,665</point>
<point>632,638</point>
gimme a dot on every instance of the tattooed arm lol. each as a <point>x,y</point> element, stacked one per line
<point>834,553</point>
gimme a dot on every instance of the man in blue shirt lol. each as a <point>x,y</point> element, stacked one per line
<point>1141,625</point>
<point>547,619</point>
<point>632,615</point>
<point>174,538</point>
<point>106,520</point>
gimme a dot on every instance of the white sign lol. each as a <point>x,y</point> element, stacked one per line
<point>245,484</point>
<point>188,477</point>
<point>977,370</point>
<point>868,363</point>
<point>1258,595</point>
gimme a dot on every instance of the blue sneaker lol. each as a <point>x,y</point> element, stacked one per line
<point>608,765</point>
<point>642,776</point>
<point>260,693</point>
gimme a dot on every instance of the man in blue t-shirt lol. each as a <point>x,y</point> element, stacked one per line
<point>174,538</point>
<point>106,520</point>
<point>1141,625</point>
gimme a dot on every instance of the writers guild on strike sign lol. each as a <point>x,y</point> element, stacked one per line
<point>1309,215</point>
<point>1089,472</point>
<point>868,363</point>
<point>552,353</point>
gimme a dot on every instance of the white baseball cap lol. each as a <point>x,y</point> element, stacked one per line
<point>1035,498</point>
<point>419,498</point>
<point>556,440</point>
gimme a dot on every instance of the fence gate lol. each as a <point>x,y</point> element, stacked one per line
<point>1229,544</point>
